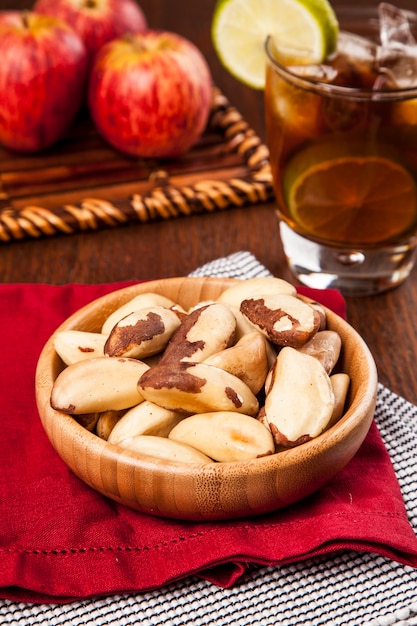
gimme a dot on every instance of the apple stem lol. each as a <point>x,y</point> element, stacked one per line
<point>90,4</point>
<point>25,19</point>
<point>136,42</point>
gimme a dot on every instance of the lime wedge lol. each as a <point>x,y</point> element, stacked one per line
<point>303,29</point>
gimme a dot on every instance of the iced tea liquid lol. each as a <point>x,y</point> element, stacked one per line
<point>343,154</point>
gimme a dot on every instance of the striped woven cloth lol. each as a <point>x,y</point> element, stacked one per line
<point>346,588</point>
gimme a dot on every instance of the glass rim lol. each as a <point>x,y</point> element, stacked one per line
<point>337,91</point>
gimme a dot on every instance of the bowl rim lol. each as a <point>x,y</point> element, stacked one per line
<point>65,426</point>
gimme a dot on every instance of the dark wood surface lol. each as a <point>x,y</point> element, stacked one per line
<point>387,322</point>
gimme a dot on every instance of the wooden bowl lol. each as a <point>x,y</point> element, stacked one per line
<point>217,490</point>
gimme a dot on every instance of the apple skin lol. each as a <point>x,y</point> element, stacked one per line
<point>96,21</point>
<point>150,94</point>
<point>43,72</point>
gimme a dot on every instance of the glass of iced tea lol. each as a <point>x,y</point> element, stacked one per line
<point>343,151</point>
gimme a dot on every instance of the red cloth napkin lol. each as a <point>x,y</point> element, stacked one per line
<point>60,540</point>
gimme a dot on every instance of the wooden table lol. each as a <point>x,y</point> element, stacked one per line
<point>175,247</point>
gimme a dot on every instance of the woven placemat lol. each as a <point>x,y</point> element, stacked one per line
<point>82,184</point>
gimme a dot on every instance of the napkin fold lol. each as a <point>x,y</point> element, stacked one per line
<point>60,540</point>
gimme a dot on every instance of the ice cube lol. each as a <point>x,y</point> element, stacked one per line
<point>320,73</point>
<point>356,48</point>
<point>394,27</point>
<point>398,67</point>
<point>354,61</point>
<point>397,54</point>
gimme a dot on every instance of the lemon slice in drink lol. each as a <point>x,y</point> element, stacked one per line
<point>348,196</point>
<point>304,30</point>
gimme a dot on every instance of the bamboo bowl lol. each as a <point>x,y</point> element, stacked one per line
<point>217,490</point>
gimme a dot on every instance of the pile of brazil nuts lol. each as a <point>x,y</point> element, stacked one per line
<point>247,375</point>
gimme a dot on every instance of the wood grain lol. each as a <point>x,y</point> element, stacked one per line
<point>81,184</point>
<point>387,322</point>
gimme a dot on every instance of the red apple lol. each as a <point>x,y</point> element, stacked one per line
<point>42,79</point>
<point>96,21</point>
<point>150,94</point>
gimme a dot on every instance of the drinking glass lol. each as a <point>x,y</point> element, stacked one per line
<point>343,151</point>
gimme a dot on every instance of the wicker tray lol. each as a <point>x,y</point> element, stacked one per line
<point>82,184</point>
